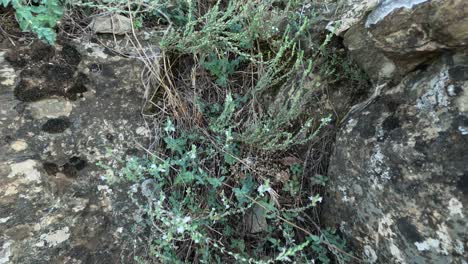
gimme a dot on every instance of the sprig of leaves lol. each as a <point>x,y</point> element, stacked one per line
<point>40,19</point>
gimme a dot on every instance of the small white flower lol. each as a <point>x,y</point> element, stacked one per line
<point>134,188</point>
<point>315,199</point>
<point>263,188</point>
<point>180,229</point>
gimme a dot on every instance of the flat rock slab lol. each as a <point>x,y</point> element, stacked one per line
<point>113,24</point>
<point>61,110</point>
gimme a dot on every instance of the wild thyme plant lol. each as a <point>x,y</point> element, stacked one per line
<point>193,201</point>
<point>196,195</point>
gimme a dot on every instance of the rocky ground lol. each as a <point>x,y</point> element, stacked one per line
<point>62,109</point>
<point>399,171</point>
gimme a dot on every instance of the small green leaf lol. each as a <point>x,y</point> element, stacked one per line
<point>184,177</point>
<point>216,182</point>
<point>5,3</point>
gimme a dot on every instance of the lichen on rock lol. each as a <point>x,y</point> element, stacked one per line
<point>399,170</point>
<point>57,120</point>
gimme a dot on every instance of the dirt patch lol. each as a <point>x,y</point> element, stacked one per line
<point>47,72</point>
<point>50,80</point>
<point>69,169</point>
<point>78,162</point>
<point>71,55</point>
<point>56,125</point>
<point>78,87</point>
<point>42,52</point>
<point>51,168</point>
<point>38,52</point>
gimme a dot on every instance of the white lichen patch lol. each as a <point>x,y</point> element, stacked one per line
<point>50,108</point>
<point>344,196</point>
<point>455,207</point>
<point>357,10</point>
<point>104,188</point>
<point>451,90</point>
<point>446,244</point>
<point>4,220</point>
<point>428,244</point>
<point>436,95</point>
<point>385,226</point>
<point>351,124</point>
<point>19,145</point>
<point>10,189</point>
<point>396,252</point>
<point>370,255</point>
<point>54,238</point>
<point>442,244</point>
<point>459,247</point>
<point>7,73</point>
<point>27,169</point>
<point>5,252</point>
<point>377,164</point>
<point>463,130</point>
<point>387,7</point>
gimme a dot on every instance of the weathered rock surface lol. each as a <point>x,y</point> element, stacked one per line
<point>390,38</point>
<point>399,172</point>
<point>113,24</point>
<point>60,111</point>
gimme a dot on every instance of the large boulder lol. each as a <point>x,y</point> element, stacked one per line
<point>399,172</point>
<point>61,110</point>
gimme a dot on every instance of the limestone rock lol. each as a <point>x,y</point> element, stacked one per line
<point>390,38</point>
<point>350,13</point>
<point>58,117</point>
<point>255,220</point>
<point>113,24</point>
<point>399,171</point>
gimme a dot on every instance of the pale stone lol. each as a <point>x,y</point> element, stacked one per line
<point>7,73</point>
<point>56,237</point>
<point>50,108</point>
<point>19,145</point>
<point>114,24</point>
<point>255,220</point>
<point>26,168</point>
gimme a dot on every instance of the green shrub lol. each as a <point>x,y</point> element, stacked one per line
<point>203,183</point>
<point>248,32</point>
<point>193,198</point>
<point>38,16</point>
